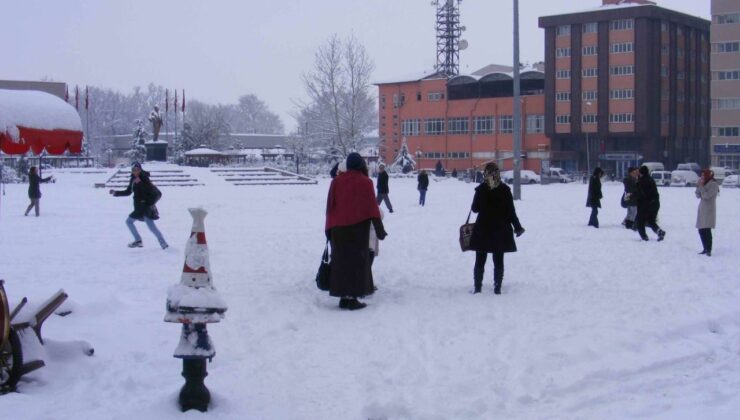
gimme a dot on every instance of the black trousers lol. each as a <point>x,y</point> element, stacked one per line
<point>480,263</point>
<point>647,216</point>
<point>706,238</point>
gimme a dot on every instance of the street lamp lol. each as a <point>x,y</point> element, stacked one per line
<point>517,194</point>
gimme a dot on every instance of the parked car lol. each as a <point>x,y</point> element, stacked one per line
<point>527,177</point>
<point>654,166</point>
<point>689,166</point>
<point>684,178</point>
<point>556,175</point>
<point>661,178</point>
<point>721,173</point>
<point>731,181</point>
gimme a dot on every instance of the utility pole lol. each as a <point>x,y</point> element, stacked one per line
<point>517,110</point>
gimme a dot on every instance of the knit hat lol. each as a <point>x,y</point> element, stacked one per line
<point>355,162</point>
<point>136,165</point>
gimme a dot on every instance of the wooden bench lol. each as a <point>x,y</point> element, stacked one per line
<point>36,321</point>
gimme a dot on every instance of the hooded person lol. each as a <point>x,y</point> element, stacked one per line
<point>629,197</point>
<point>707,190</point>
<point>648,205</point>
<point>594,196</point>
<point>145,197</point>
<point>494,227</point>
<point>383,189</point>
<point>350,211</point>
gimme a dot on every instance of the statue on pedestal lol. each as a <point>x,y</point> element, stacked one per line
<point>156,119</point>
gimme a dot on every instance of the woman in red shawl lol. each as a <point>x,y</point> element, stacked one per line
<point>350,209</point>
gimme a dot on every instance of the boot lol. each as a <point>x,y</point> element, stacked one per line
<point>497,287</point>
<point>661,234</point>
<point>354,304</point>
<point>136,244</point>
<point>476,288</point>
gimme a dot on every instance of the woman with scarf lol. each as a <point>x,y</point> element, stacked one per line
<point>707,190</point>
<point>493,232</point>
<point>351,208</point>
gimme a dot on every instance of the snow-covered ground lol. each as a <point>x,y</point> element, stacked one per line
<point>592,324</point>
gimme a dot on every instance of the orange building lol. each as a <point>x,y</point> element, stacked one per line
<point>464,121</point>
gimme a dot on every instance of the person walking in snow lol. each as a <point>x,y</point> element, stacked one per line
<point>492,232</point>
<point>145,197</point>
<point>707,190</point>
<point>629,198</point>
<point>423,184</point>
<point>648,205</point>
<point>383,188</point>
<point>594,196</point>
<point>350,211</point>
<point>34,189</point>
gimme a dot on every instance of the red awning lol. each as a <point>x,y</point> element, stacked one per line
<point>38,121</point>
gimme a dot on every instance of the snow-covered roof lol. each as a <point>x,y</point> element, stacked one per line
<point>202,151</point>
<point>411,77</point>
<point>605,7</point>
<point>37,110</point>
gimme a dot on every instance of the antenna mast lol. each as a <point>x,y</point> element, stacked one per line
<point>449,31</point>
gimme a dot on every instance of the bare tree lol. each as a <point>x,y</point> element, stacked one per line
<point>341,108</point>
<point>251,115</point>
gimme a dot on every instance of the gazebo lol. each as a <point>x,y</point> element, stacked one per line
<point>203,156</point>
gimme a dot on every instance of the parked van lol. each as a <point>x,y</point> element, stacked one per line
<point>689,166</point>
<point>721,173</point>
<point>654,166</point>
<point>556,175</point>
<point>661,178</point>
<point>684,178</point>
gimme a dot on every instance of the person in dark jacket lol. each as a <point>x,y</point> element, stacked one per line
<point>145,196</point>
<point>629,198</point>
<point>492,232</point>
<point>423,185</point>
<point>383,188</point>
<point>34,189</point>
<point>648,204</point>
<point>594,196</point>
<point>350,210</point>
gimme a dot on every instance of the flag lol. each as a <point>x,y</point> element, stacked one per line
<point>166,100</point>
<point>66,93</point>
<point>175,101</point>
<point>77,97</point>
<point>87,97</point>
<point>183,101</point>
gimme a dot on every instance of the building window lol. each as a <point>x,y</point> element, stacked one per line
<point>680,74</point>
<point>726,103</point>
<point>435,96</point>
<point>590,27</point>
<point>562,52</point>
<point>726,47</point>
<point>562,96</point>
<point>457,125</point>
<point>621,24</point>
<point>728,18</point>
<point>506,124</point>
<point>483,125</point>
<point>622,118</point>
<point>382,99</point>
<point>680,97</point>
<point>664,26</point>
<point>621,47</point>
<point>433,155</point>
<point>679,31</point>
<point>562,119</point>
<point>398,100</point>
<point>590,72</point>
<point>727,131</point>
<point>589,95</point>
<point>418,96</point>
<point>410,127</point>
<point>562,74</point>
<point>535,124</point>
<point>589,118</point>
<point>562,30</point>
<point>664,71</point>
<point>434,126</point>
<point>458,155</point>
<point>679,52</point>
<point>664,95</point>
<point>621,94</point>
<point>726,75</point>
<point>622,70</point>
<point>664,49</point>
<point>590,50</point>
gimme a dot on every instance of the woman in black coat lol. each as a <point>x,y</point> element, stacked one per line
<point>594,196</point>
<point>34,189</point>
<point>145,196</point>
<point>493,232</point>
<point>423,186</point>
<point>648,204</point>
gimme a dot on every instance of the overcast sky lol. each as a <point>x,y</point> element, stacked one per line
<point>220,49</point>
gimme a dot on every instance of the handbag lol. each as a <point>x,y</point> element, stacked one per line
<point>466,233</point>
<point>324,274</point>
